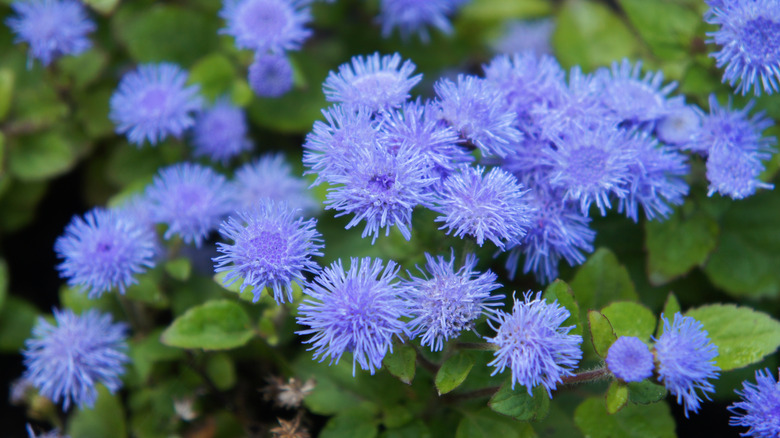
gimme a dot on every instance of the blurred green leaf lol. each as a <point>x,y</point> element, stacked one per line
<point>668,27</point>
<point>169,33</point>
<point>601,332</point>
<point>602,280</point>
<point>147,351</point>
<point>589,34</point>
<point>17,318</point>
<point>747,259</point>
<point>221,371</point>
<point>402,363</point>
<point>561,291</point>
<point>179,268</point>
<point>19,202</point>
<point>6,91</point>
<point>104,7</point>
<point>630,319</point>
<point>40,156</point>
<point>645,392</point>
<point>107,418</point>
<point>519,404</point>
<point>5,280</point>
<point>678,244</point>
<point>616,397</point>
<point>396,416</point>
<point>85,68</point>
<point>454,371</point>
<point>743,335</point>
<point>215,74</point>
<point>414,429</point>
<point>214,325</point>
<point>487,424</point>
<point>92,113</point>
<point>358,422</point>
<point>500,10</point>
<point>148,291</point>
<point>633,421</point>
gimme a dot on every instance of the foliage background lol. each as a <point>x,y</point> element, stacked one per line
<point>59,156</point>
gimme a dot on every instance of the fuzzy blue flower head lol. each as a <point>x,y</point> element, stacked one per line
<point>357,311</point>
<point>488,207</point>
<point>270,177</point>
<point>679,125</point>
<point>272,248</point>
<point>105,250</point>
<point>220,132</point>
<point>191,199</point>
<point>375,82</point>
<point>630,359</point>
<point>154,102</point>
<point>532,343</point>
<point>448,302</point>
<point>51,28</point>
<point>266,25</point>
<point>734,174</point>
<point>415,16</point>
<point>477,110</point>
<point>270,75</point>
<point>54,433</point>
<point>67,360</point>
<point>759,408</point>
<point>749,40</point>
<point>685,360</point>
<point>533,36</point>
<point>557,230</point>
<point>381,189</point>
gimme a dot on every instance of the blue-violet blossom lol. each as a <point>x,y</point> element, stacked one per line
<point>270,75</point>
<point>630,359</point>
<point>266,25</point>
<point>759,407</point>
<point>220,132</point>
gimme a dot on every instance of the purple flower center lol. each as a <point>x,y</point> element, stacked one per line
<point>263,19</point>
<point>760,38</point>
<point>381,182</point>
<point>154,101</point>
<point>588,164</point>
<point>269,246</point>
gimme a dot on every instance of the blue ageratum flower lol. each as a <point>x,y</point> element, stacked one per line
<point>357,311</point>
<point>51,28</point>
<point>530,36</point>
<point>331,145</point>
<point>679,125</point>
<point>266,25</point>
<point>634,98</point>
<point>375,82</point>
<point>686,360</point>
<point>220,132</point>
<point>417,125</point>
<point>591,165</point>
<point>105,250</point>
<point>532,343</point>
<point>656,179</point>
<point>630,359</point>
<point>757,410</point>
<point>191,199</point>
<point>477,110</point>
<point>67,360</point>
<point>270,75</point>
<point>557,230</point>
<point>153,102</point>
<point>54,433</point>
<point>735,147</point>
<point>271,177</point>
<point>488,207</point>
<point>448,302</point>
<point>382,189</point>
<point>272,248</point>
<point>749,40</point>
<point>415,16</point>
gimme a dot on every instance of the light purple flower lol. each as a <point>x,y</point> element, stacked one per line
<point>415,16</point>
<point>266,25</point>
<point>630,359</point>
<point>270,75</point>
<point>758,407</point>
<point>270,177</point>
<point>220,132</point>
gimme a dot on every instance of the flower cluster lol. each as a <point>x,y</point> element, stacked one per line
<point>759,406</point>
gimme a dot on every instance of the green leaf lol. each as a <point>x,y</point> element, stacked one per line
<point>414,429</point>
<point>215,74</point>
<point>148,291</point>
<point>678,244</point>
<point>630,319</point>
<point>396,416</point>
<point>85,68</point>
<point>645,392</point>
<point>671,307</point>
<point>358,422</point>
<point>179,268</point>
<point>617,396</point>
<point>561,291</point>
<point>743,335</point>
<point>601,280</point>
<point>214,325</point>
<point>518,404</point>
<point>500,10</point>
<point>453,372</point>
<point>4,282</point>
<point>17,319</point>
<point>106,419</point>
<point>633,421</point>
<point>168,33</point>
<point>601,332</point>
<point>147,351</point>
<point>747,260</point>
<point>590,34</point>
<point>40,156</point>
<point>487,424</point>
<point>402,363</point>
<point>221,371</point>
<point>104,7</point>
<point>668,27</point>
<point>6,91</point>
<point>19,202</point>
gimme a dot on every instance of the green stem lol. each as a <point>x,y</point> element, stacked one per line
<point>483,346</point>
<point>586,376</point>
